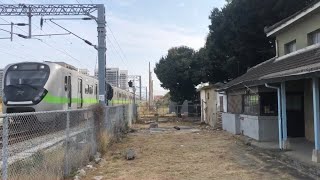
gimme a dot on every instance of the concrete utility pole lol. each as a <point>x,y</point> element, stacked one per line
<point>149,87</point>
<point>101,53</point>
<point>140,88</point>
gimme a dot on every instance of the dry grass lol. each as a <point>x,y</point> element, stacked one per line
<point>41,166</point>
<point>104,142</point>
<point>185,155</point>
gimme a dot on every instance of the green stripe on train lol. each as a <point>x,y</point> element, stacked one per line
<point>51,99</point>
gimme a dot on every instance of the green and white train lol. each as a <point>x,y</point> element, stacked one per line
<point>47,86</point>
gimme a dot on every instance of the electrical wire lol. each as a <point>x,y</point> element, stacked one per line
<point>86,41</point>
<point>117,42</point>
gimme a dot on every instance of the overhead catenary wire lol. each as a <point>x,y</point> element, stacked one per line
<point>86,41</point>
<point>121,51</point>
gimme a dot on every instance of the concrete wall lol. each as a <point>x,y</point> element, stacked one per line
<point>261,128</point>
<point>231,123</point>
<point>268,128</point>
<point>249,126</point>
<point>299,32</point>
<point>308,111</point>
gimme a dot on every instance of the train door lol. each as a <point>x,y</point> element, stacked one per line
<point>69,90</point>
<point>80,94</point>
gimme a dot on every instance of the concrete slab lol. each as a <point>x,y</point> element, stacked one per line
<point>300,149</point>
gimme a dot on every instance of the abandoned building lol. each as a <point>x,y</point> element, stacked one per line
<point>278,100</point>
<point>210,103</point>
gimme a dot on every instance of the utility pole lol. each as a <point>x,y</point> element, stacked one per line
<point>101,53</point>
<point>146,94</point>
<point>140,88</point>
<point>149,87</point>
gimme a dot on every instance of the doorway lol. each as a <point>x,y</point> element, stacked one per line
<point>80,94</point>
<point>295,115</point>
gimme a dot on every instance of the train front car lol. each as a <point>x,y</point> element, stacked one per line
<point>24,86</point>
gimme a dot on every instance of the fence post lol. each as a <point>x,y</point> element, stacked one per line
<point>66,158</point>
<point>5,154</point>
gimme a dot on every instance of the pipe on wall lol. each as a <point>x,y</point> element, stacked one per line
<point>279,112</point>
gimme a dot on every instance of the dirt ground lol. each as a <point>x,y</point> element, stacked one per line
<point>189,154</point>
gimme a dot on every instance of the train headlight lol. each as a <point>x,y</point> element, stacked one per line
<point>40,96</point>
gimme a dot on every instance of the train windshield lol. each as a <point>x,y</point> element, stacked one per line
<point>25,82</point>
<point>31,75</point>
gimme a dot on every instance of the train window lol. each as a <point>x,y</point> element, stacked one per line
<point>91,90</point>
<point>86,90</point>
<point>65,83</point>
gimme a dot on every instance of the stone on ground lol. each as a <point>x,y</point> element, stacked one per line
<point>82,173</point>
<point>130,155</point>
<point>153,125</point>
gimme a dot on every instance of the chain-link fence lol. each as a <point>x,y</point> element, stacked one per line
<point>145,111</point>
<point>50,145</point>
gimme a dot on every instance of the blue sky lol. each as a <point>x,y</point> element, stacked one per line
<point>144,30</point>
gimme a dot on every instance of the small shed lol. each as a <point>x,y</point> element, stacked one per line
<point>210,103</point>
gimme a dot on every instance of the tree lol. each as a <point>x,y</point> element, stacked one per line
<point>176,73</point>
<point>236,39</point>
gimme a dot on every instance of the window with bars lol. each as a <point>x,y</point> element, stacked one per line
<point>251,104</point>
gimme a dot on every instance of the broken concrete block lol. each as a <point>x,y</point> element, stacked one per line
<point>130,155</point>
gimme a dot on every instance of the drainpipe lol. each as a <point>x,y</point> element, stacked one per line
<point>279,112</point>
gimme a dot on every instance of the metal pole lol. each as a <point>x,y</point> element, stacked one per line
<point>316,116</point>
<point>149,86</point>
<point>146,94</point>
<point>11,34</point>
<point>140,88</point>
<point>66,158</point>
<point>101,53</point>
<point>5,154</point>
<point>134,95</point>
<point>29,17</point>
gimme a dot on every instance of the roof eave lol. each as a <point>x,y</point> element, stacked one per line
<point>273,30</point>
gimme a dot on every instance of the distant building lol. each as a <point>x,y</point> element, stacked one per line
<point>84,71</point>
<point>123,79</point>
<point>112,76</point>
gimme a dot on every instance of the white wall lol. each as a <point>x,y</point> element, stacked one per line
<point>261,128</point>
<point>231,123</point>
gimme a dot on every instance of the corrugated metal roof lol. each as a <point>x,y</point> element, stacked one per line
<point>301,62</point>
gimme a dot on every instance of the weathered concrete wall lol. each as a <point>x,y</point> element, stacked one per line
<point>249,126</point>
<point>268,128</point>
<point>203,105</point>
<point>299,32</point>
<point>261,128</point>
<point>231,123</point>
<point>308,111</point>
<point>209,106</point>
